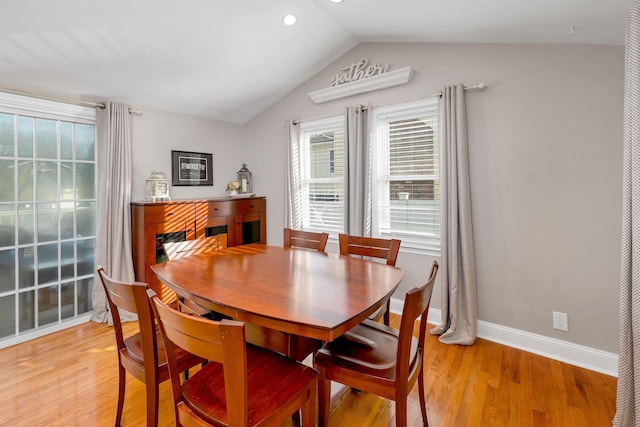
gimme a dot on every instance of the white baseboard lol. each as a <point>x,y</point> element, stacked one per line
<point>48,330</point>
<point>574,354</point>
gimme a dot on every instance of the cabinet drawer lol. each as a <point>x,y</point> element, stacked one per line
<point>250,205</point>
<point>168,213</point>
<point>214,209</point>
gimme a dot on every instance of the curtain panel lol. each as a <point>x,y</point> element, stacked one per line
<point>293,181</point>
<point>113,250</point>
<point>358,175</point>
<point>628,394</point>
<point>458,271</point>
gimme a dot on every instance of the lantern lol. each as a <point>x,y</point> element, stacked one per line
<point>244,178</point>
<point>157,187</point>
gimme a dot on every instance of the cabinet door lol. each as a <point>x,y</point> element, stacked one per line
<point>155,236</point>
<point>214,218</point>
<point>251,228</point>
<point>251,221</point>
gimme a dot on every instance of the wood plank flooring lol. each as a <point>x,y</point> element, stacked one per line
<point>69,379</point>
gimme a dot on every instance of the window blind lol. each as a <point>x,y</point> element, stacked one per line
<point>408,180</point>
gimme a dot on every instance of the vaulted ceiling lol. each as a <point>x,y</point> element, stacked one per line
<point>230,60</point>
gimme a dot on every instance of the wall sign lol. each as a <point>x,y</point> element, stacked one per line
<point>358,71</point>
<point>361,77</point>
<point>188,168</point>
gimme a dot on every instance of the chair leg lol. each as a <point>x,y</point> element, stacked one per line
<point>152,404</point>
<point>122,382</point>
<point>307,411</point>
<point>423,400</point>
<point>324,397</point>
<point>401,412</point>
<point>387,314</point>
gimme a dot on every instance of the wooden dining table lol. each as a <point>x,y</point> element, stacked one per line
<point>297,292</point>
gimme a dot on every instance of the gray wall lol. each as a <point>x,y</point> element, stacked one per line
<point>156,133</point>
<point>545,159</point>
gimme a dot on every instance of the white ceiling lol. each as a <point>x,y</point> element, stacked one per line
<point>230,60</point>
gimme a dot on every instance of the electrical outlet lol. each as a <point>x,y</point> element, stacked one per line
<point>560,321</point>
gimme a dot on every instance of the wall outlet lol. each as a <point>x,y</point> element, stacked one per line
<point>560,321</point>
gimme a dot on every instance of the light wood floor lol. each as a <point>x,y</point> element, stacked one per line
<point>69,379</point>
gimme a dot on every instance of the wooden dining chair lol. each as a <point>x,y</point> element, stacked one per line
<point>204,245</point>
<point>378,359</point>
<point>305,239</point>
<point>371,247</point>
<point>241,385</point>
<point>140,354</point>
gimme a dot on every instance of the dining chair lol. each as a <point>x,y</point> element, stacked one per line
<point>378,359</point>
<point>204,245</point>
<point>305,239</point>
<point>241,385</point>
<point>140,354</point>
<point>371,247</point>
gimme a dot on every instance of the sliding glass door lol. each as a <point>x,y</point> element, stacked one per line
<point>47,217</point>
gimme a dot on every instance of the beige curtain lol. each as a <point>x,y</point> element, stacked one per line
<point>358,171</point>
<point>113,250</point>
<point>457,269</point>
<point>293,181</point>
<point>628,398</point>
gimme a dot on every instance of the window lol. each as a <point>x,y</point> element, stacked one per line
<point>406,182</point>
<point>47,215</point>
<point>322,155</point>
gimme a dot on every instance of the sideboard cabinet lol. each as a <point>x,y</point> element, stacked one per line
<point>155,223</point>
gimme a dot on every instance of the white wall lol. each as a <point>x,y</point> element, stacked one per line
<point>156,133</point>
<point>545,160</point>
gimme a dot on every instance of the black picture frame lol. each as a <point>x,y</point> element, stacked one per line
<point>190,168</point>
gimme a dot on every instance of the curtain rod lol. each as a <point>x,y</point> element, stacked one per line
<point>62,99</point>
<point>479,86</point>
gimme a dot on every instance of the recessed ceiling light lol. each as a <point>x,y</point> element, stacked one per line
<point>289,19</point>
<point>336,1</point>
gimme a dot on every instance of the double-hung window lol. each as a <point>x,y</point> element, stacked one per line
<point>322,173</point>
<point>406,181</point>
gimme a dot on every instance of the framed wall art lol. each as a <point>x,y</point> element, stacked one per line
<point>189,168</point>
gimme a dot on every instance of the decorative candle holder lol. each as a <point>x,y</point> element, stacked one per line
<point>157,187</point>
<point>245,180</point>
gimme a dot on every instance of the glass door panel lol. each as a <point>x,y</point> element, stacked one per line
<point>47,221</point>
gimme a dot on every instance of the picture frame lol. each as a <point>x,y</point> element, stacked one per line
<point>189,168</point>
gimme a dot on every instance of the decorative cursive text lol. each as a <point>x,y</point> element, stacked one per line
<point>358,71</point>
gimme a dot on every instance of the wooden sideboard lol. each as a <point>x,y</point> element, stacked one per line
<point>155,223</point>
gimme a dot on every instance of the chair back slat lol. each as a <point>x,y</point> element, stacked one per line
<point>192,333</point>
<point>204,245</point>
<point>305,239</point>
<point>372,247</point>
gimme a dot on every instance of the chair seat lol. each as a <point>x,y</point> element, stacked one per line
<point>133,351</point>
<point>369,348</point>
<point>273,379</point>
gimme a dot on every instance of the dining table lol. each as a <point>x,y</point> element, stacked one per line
<point>295,297</point>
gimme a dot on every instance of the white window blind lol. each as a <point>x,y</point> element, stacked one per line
<point>407,182</point>
<point>322,151</point>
